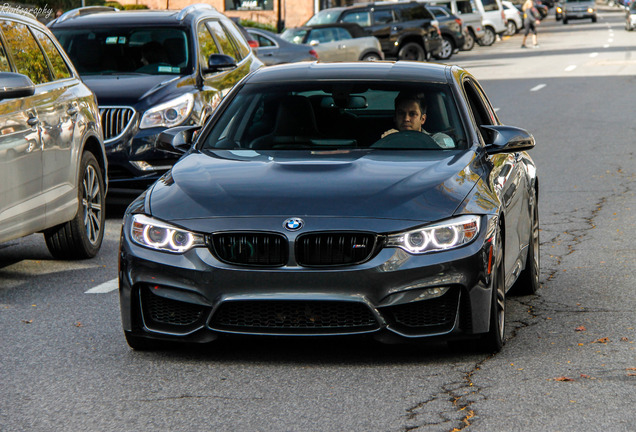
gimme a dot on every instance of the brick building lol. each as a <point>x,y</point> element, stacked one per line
<point>289,13</point>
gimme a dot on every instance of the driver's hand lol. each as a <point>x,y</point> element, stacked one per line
<point>389,132</point>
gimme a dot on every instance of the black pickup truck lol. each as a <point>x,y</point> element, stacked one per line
<point>406,30</point>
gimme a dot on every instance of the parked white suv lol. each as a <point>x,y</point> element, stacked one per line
<point>494,20</point>
<point>52,158</point>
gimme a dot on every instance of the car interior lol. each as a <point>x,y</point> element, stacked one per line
<point>332,117</point>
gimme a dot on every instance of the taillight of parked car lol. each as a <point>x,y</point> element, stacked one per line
<point>253,43</point>
<point>313,52</point>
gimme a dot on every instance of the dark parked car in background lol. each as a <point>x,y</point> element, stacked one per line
<point>291,215</point>
<point>337,42</point>
<point>451,27</point>
<point>406,30</point>
<point>272,49</point>
<point>52,158</point>
<point>152,70</point>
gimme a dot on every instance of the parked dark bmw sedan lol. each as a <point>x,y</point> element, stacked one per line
<point>291,215</point>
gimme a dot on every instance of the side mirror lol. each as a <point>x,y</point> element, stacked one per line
<point>508,139</point>
<point>177,140</point>
<point>220,62</point>
<point>15,85</point>
<point>314,43</point>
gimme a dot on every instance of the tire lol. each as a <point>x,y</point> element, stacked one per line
<point>448,46</point>
<point>489,37</point>
<point>511,28</point>
<point>81,237</point>
<point>565,20</point>
<point>412,51</point>
<point>593,19</point>
<point>371,57</point>
<point>494,340</point>
<point>469,41</point>
<point>528,281</point>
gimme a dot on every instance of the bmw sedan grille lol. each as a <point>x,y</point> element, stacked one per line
<point>258,249</point>
<point>115,120</point>
<point>334,248</point>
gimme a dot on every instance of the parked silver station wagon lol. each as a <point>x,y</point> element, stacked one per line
<point>52,158</point>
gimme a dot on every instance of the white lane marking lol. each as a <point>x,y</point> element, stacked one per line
<point>610,40</point>
<point>594,55</point>
<point>106,287</point>
<point>537,88</point>
<point>570,68</point>
<point>606,46</point>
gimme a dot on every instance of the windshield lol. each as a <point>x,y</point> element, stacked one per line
<point>324,17</point>
<point>294,35</point>
<point>114,50</point>
<point>335,116</point>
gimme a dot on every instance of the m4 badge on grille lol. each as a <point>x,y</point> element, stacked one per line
<point>293,224</point>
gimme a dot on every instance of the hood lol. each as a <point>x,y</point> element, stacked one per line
<point>120,90</point>
<point>419,186</point>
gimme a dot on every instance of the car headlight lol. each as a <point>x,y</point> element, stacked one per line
<point>441,236</point>
<point>168,114</point>
<point>155,234</point>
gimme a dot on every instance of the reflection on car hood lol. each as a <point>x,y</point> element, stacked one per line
<point>125,89</point>
<point>420,186</point>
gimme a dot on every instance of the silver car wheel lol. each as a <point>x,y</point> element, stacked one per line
<point>92,204</point>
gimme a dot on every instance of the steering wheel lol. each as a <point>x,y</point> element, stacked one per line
<point>407,140</point>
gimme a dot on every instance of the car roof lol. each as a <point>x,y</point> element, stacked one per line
<point>352,71</point>
<point>140,17</point>
<point>353,28</point>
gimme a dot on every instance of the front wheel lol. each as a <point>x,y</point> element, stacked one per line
<point>493,340</point>
<point>412,51</point>
<point>371,57</point>
<point>469,41</point>
<point>511,28</point>
<point>447,49</point>
<point>528,281</point>
<point>81,237</point>
<point>489,37</point>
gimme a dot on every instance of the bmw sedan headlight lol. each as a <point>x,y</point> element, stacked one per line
<point>168,114</point>
<point>441,236</point>
<point>155,234</point>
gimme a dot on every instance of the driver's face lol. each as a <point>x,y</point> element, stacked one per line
<point>408,116</point>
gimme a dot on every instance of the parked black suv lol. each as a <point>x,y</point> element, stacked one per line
<point>406,30</point>
<point>152,70</point>
<point>52,157</point>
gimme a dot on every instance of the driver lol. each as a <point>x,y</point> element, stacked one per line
<point>410,115</point>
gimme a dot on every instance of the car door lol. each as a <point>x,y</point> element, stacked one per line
<point>385,27</point>
<point>62,130</point>
<point>507,178</point>
<point>22,207</point>
<point>326,44</point>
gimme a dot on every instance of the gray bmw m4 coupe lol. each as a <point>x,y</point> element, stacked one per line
<point>336,199</point>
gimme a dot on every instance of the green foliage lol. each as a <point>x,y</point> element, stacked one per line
<point>135,7</point>
<point>248,23</point>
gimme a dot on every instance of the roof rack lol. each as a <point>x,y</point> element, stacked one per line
<point>193,7</point>
<point>87,10</point>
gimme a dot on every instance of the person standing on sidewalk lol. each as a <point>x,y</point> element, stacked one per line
<point>530,22</point>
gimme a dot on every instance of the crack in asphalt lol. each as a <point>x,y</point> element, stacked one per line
<point>464,394</point>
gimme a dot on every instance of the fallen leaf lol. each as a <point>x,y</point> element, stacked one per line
<point>634,369</point>
<point>564,378</point>
<point>624,339</point>
<point>580,329</point>
<point>27,321</point>
<point>602,340</point>
<point>585,376</point>
<point>78,324</point>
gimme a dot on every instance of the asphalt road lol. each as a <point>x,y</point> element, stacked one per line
<point>568,364</point>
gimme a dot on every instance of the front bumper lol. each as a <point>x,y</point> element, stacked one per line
<point>195,297</point>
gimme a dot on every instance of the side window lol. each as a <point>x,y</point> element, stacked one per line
<point>60,69</point>
<point>238,39</point>
<point>415,13</point>
<point>223,39</point>
<point>28,57</point>
<point>465,7</point>
<point>263,41</point>
<point>483,113</point>
<point>343,34</point>
<point>363,18</point>
<point>383,16</point>
<point>207,45</point>
<point>4,60</point>
<point>490,5</point>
